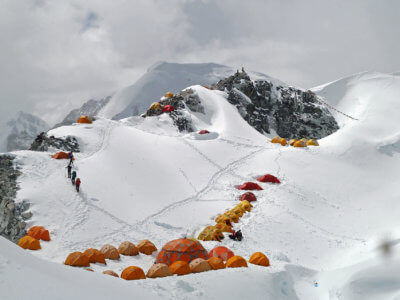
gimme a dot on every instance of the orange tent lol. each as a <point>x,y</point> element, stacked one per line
<point>180,267</point>
<point>181,249</point>
<point>77,259</point>
<point>276,140</point>
<point>60,155</point>
<point>159,270</point>
<point>299,144</point>
<point>199,265</point>
<point>84,119</point>
<point>28,242</point>
<point>127,248</point>
<point>283,142</point>
<point>95,256</point>
<point>110,272</point>
<point>146,247</point>
<point>133,273</point>
<point>260,259</point>
<point>221,252</point>
<point>236,262</point>
<point>216,263</point>
<point>39,233</point>
<point>110,252</point>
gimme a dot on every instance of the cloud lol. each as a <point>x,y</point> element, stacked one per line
<point>57,54</point>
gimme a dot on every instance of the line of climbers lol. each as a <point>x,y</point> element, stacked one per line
<point>72,175</point>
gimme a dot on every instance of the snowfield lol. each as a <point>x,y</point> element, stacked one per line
<point>141,178</point>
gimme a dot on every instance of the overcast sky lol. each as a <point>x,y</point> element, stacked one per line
<point>56,54</point>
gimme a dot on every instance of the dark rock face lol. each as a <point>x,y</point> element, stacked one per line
<point>291,112</point>
<point>12,214</point>
<point>186,98</point>
<point>44,142</point>
<point>89,108</point>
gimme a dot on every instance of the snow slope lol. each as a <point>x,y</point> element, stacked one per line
<point>141,178</point>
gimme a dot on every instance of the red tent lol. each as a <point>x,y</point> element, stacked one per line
<point>203,131</point>
<point>168,108</point>
<point>250,186</point>
<point>268,178</point>
<point>249,196</point>
<point>221,252</point>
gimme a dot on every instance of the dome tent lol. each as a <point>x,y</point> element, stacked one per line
<point>146,247</point>
<point>268,178</point>
<point>181,249</point>
<point>133,273</point>
<point>283,141</point>
<point>155,106</point>
<point>168,108</point>
<point>180,267</point>
<point>249,196</point>
<point>39,233</point>
<point>203,131</point>
<point>60,155</point>
<point>159,270</point>
<point>199,265</point>
<point>312,142</point>
<point>246,205</point>
<point>84,120</point>
<point>221,252</point>
<point>95,256</point>
<point>223,227</point>
<point>276,140</point>
<point>128,249</point>
<point>77,259</point>
<point>28,242</point>
<point>249,186</point>
<point>169,95</point>
<point>259,258</point>
<point>299,144</point>
<point>216,263</point>
<point>236,262</point>
<point>110,252</point>
<point>292,142</point>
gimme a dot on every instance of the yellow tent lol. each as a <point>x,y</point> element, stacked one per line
<point>168,95</point>
<point>299,144</point>
<point>259,258</point>
<point>28,242</point>
<point>312,142</point>
<point>216,263</point>
<point>155,106</point>
<point>292,142</point>
<point>236,262</point>
<point>180,267</point>
<point>276,140</point>
<point>283,142</point>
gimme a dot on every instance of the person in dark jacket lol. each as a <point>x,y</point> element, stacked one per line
<point>73,177</point>
<point>77,184</point>
<point>236,236</point>
<point>69,167</point>
<point>71,158</point>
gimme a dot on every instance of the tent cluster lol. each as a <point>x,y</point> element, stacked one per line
<point>182,257</point>
<point>156,106</point>
<point>224,222</point>
<point>91,255</point>
<point>295,143</point>
<point>32,239</point>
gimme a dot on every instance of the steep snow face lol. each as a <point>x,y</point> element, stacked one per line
<point>142,178</point>
<point>158,80</point>
<point>19,133</point>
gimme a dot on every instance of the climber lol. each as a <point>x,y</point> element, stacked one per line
<point>69,167</point>
<point>73,177</point>
<point>77,184</point>
<point>236,236</point>
<point>71,158</point>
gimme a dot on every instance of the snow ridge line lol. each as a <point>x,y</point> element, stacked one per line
<point>320,100</point>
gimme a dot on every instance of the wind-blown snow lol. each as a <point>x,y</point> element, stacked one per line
<point>141,178</point>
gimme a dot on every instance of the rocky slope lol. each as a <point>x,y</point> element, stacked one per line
<point>290,112</point>
<point>43,142</point>
<point>12,214</point>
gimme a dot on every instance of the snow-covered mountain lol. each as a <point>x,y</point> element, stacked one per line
<point>19,133</point>
<point>143,178</point>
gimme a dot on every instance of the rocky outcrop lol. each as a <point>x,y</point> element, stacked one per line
<point>186,98</point>
<point>43,142</point>
<point>89,108</point>
<point>290,112</point>
<point>12,215</point>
